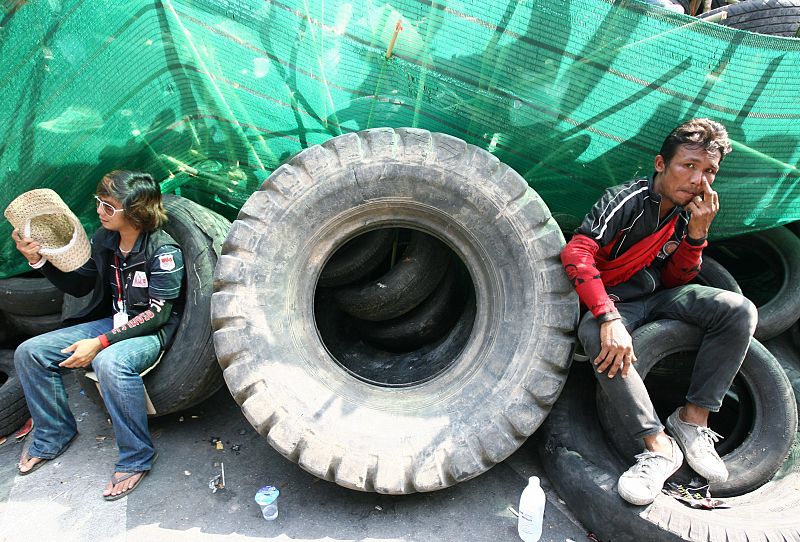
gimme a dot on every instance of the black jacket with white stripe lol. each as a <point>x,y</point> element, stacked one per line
<point>623,250</point>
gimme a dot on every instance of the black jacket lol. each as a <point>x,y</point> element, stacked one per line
<point>98,276</point>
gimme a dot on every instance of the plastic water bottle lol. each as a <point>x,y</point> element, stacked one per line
<point>531,511</point>
<point>267,499</point>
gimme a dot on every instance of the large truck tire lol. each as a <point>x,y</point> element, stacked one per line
<point>584,469</point>
<point>788,355</point>
<point>29,295</point>
<point>9,335</point>
<point>432,430</point>
<point>764,417</point>
<point>13,408</point>
<point>779,250</point>
<point>794,331</point>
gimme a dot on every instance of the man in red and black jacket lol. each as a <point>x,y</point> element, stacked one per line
<point>631,261</point>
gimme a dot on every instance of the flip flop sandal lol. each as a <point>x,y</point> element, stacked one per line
<point>26,457</point>
<point>115,480</point>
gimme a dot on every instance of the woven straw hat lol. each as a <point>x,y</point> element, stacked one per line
<point>44,217</point>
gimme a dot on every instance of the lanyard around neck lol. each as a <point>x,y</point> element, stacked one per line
<point>118,278</point>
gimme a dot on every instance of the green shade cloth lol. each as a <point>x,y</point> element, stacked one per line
<point>210,96</point>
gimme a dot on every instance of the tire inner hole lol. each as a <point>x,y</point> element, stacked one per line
<point>394,306</point>
<point>668,381</point>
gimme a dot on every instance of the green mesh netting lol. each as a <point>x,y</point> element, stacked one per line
<point>212,95</point>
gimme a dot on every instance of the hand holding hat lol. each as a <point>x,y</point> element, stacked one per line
<point>28,247</point>
<point>56,233</point>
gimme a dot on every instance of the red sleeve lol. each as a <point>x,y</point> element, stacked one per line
<point>578,259</point>
<point>683,265</point>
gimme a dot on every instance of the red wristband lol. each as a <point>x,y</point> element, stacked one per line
<point>103,341</point>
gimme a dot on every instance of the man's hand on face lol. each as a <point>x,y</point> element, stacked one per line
<point>616,349</point>
<point>703,208</point>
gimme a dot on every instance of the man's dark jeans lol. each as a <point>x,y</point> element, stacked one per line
<point>729,320</point>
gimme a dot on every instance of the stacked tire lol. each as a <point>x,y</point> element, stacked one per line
<point>771,17</point>
<point>584,449</point>
<point>391,321</point>
<point>29,305</point>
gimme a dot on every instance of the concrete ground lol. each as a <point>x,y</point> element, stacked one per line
<point>62,500</point>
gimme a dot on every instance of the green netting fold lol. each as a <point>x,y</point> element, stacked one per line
<point>211,96</point>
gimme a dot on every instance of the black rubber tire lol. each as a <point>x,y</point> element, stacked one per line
<point>713,274</point>
<point>73,305</point>
<point>387,368</point>
<point>781,246</point>
<point>687,4</point>
<point>423,437</point>
<point>795,333</point>
<point>32,326</point>
<point>423,325</point>
<point>788,355</point>
<point>188,372</point>
<point>584,470</point>
<point>772,17</point>
<point>13,408</point>
<point>358,258</point>
<point>29,296</point>
<point>8,333</point>
<point>773,412</point>
<point>794,227</point>
<point>413,278</point>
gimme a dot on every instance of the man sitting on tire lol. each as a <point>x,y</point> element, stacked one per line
<point>630,261</point>
<point>135,271</point>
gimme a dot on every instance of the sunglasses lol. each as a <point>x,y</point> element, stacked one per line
<point>107,208</point>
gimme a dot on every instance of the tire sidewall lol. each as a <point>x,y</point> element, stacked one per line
<point>513,272</point>
<point>188,371</point>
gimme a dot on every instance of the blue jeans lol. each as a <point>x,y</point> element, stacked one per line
<point>117,368</point>
<point>728,319</point>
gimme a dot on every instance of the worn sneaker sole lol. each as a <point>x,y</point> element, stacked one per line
<point>635,500</point>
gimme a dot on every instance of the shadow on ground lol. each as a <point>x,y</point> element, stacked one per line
<point>175,503</point>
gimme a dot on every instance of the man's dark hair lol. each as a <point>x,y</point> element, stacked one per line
<point>140,196</point>
<point>697,134</point>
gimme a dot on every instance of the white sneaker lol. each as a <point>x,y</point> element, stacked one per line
<point>641,483</point>
<point>697,443</point>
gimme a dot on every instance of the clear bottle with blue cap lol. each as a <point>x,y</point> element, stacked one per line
<point>267,499</point>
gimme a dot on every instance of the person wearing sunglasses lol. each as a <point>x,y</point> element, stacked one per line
<point>135,275</point>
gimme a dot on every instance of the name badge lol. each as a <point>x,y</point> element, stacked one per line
<point>120,319</point>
